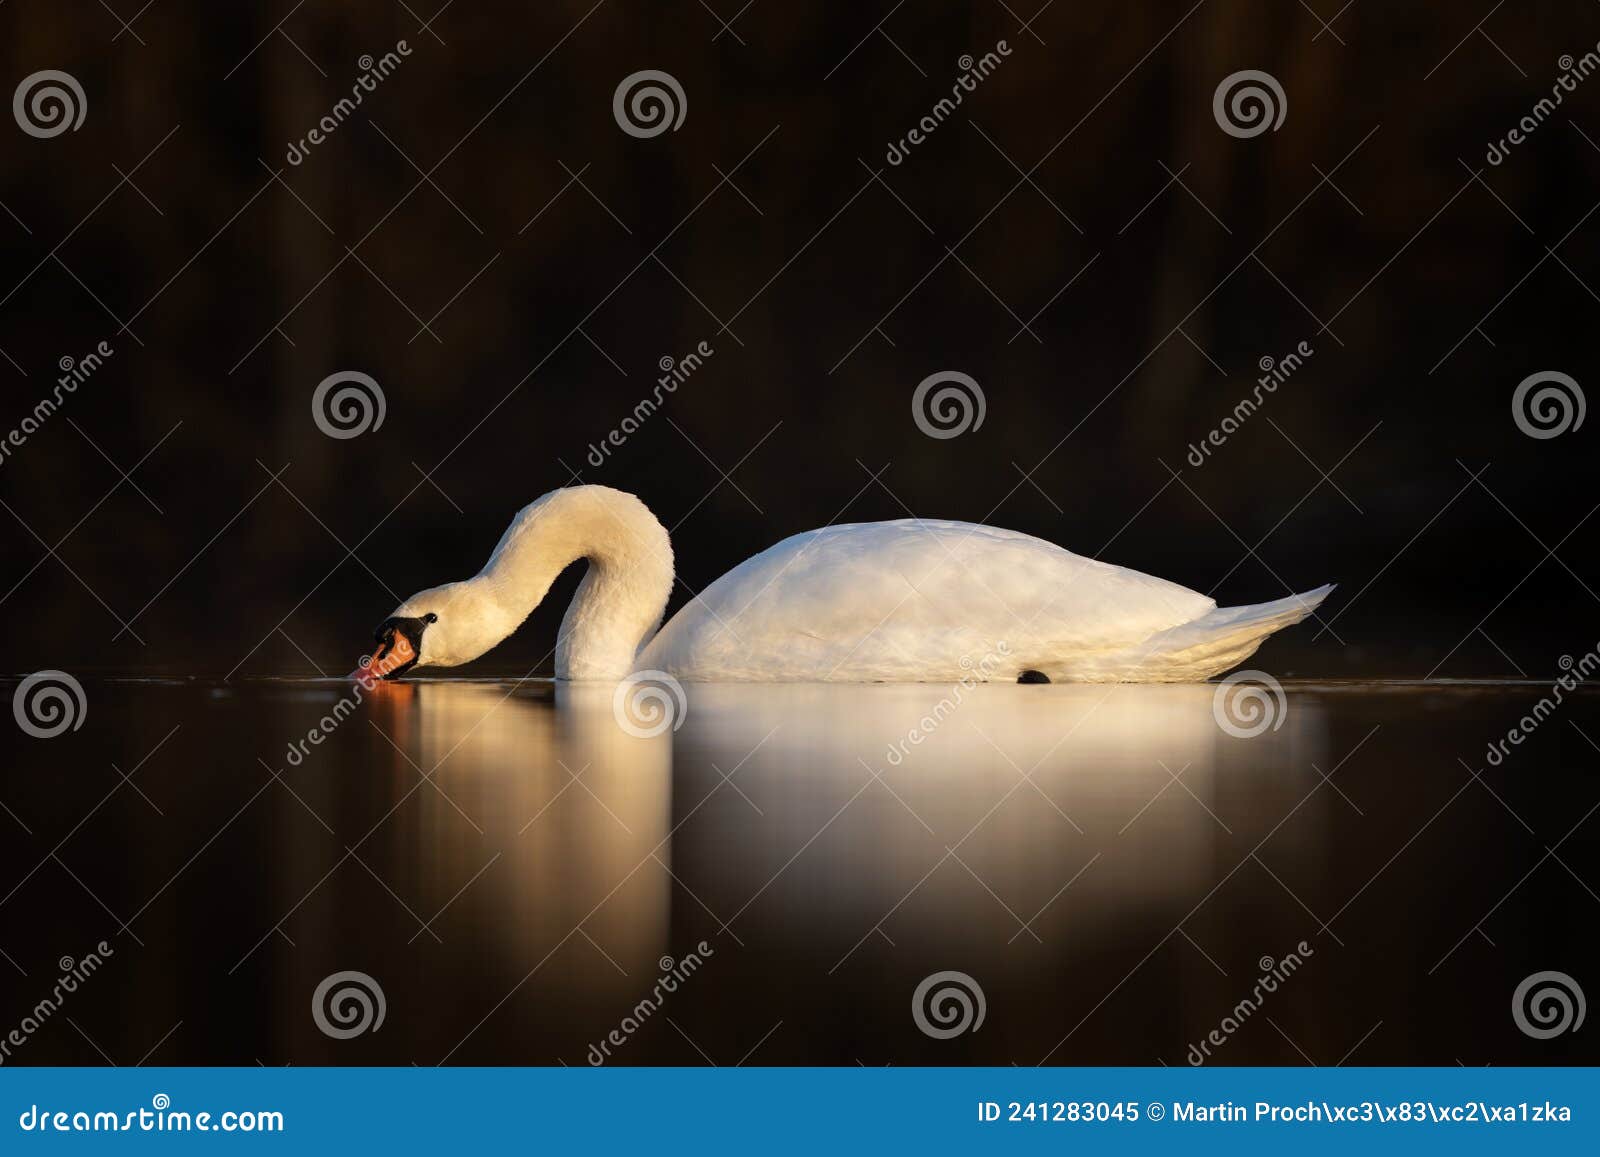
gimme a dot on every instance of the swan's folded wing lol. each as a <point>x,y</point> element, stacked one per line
<point>910,599</point>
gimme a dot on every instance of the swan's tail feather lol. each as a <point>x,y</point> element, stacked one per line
<point>1220,639</point>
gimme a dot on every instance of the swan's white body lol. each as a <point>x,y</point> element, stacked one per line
<point>905,601</point>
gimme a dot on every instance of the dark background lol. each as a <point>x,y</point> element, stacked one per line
<point>234,273</point>
<point>226,877</point>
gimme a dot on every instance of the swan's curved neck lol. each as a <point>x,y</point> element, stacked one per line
<point>620,601</point>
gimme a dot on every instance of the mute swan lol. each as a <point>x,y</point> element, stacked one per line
<point>905,601</point>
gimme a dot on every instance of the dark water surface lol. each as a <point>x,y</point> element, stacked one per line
<point>511,867</point>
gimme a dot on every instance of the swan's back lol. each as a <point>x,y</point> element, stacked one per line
<point>915,600</point>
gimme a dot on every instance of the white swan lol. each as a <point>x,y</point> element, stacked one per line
<point>904,601</point>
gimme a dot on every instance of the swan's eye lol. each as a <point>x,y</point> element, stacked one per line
<point>430,617</point>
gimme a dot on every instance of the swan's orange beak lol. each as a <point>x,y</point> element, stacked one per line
<point>394,652</point>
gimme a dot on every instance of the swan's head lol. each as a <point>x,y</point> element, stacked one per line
<point>398,647</point>
<point>442,626</point>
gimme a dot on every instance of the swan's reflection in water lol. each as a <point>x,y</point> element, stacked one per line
<point>832,845</point>
<point>572,811</point>
<point>511,866</point>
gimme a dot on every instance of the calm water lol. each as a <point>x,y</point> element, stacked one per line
<point>514,870</point>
